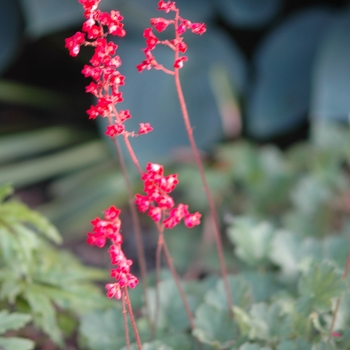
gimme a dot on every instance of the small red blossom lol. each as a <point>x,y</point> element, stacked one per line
<point>160,24</point>
<point>145,128</point>
<point>179,63</point>
<point>124,115</point>
<point>166,6</point>
<point>115,129</point>
<point>198,28</point>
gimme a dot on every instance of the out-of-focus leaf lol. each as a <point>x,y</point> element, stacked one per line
<point>214,326</point>
<point>16,343</point>
<point>279,98</point>
<point>252,240</point>
<point>104,330</point>
<point>34,170</point>
<point>30,143</point>
<point>12,321</point>
<point>11,29</point>
<point>318,286</point>
<point>151,95</point>
<point>331,78</point>
<point>240,293</point>
<point>297,344</point>
<point>286,253</point>
<point>44,313</point>
<point>172,316</point>
<point>248,13</point>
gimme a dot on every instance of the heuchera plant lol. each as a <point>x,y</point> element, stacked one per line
<point>157,202</point>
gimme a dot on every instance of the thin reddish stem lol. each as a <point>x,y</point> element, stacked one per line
<point>206,188</point>
<point>137,228</point>
<point>131,315</point>
<point>127,339</point>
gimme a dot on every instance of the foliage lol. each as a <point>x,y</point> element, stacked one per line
<point>36,278</point>
<point>289,276</point>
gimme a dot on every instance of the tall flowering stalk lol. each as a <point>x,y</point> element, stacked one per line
<point>178,45</point>
<point>156,201</point>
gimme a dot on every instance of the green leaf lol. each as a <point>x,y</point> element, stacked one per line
<point>17,212</point>
<point>252,240</point>
<point>5,191</point>
<point>16,343</point>
<point>172,316</point>
<point>155,345</point>
<point>297,344</point>
<point>320,285</point>
<point>214,326</point>
<point>240,293</point>
<point>12,321</point>
<point>286,253</point>
<point>104,330</point>
<point>269,323</point>
<point>263,284</point>
<point>323,346</point>
<point>44,314</point>
<point>249,346</point>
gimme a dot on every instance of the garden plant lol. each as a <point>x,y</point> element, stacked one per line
<point>277,279</point>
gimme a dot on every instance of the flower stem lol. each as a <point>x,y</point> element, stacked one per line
<point>127,339</point>
<point>131,315</point>
<point>137,229</point>
<point>206,189</point>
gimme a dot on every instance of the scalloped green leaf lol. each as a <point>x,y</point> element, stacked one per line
<point>248,13</point>
<point>16,343</point>
<point>252,240</point>
<point>280,97</point>
<point>286,253</point>
<point>155,345</point>
<point>249,346</point>
<point>240,293</point>
<point>267,323</point>
<point>331,72</point>
<point>172,316</point>
<point>12,321</point>
<point>214,326</point>
<point>319,285</point>
<point>297,344</point>
<point>104,330</point>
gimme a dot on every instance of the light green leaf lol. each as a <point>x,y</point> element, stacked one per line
<point>5,191</point>
<point>252,240</point>
<point>240,293</point>
<point>214,326</point>
<point>172,316</point>
<point>269,323</point>
<point>286,253</point>
<point>320,284</point>
<point>249,346</point>
<point>104,330</point>
<point>155,345</point>
<point>17,212</point>
<point>44,314</point>
<point>297,344</point>
<point>12,321</point>
<point>16,343</point>
<point>323,346</point>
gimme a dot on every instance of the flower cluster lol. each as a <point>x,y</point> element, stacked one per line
<point>157,202</point>
<point>181,25</point>
<point>104,64</point>
<point>109,228</point>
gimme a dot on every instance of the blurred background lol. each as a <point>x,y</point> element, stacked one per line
<point>265,70</point>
